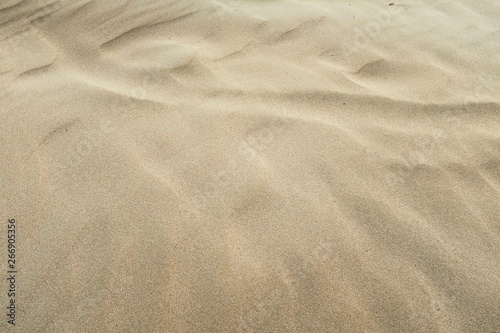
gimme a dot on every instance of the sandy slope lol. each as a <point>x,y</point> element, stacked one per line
<point>252,166</point>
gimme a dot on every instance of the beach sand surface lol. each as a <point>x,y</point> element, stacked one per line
<point>251,166</point>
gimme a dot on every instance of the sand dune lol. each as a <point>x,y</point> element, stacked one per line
<point>251,166</point>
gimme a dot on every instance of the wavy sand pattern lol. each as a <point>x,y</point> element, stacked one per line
<point>252,166</point>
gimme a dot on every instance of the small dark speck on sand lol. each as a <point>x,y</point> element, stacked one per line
<point>391,4</point>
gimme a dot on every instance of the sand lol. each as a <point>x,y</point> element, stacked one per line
<point>251,166</point>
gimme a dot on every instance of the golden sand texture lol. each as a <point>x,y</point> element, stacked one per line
<point>251,166</point>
